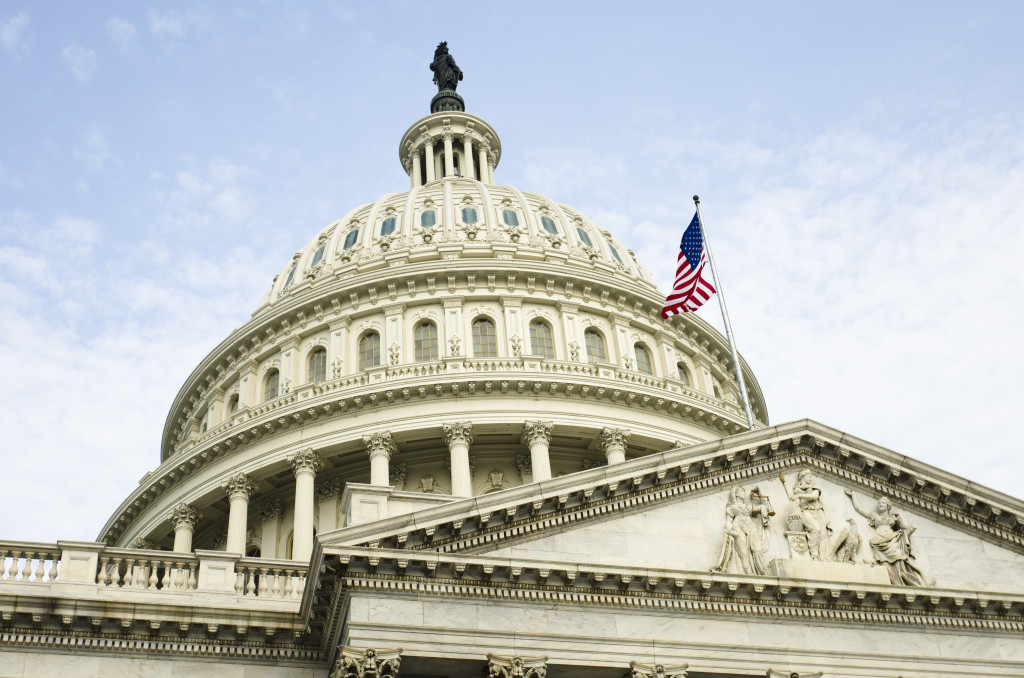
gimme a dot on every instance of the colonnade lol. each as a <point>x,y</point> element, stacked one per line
<point>475,153</point>
<point>380,447</point>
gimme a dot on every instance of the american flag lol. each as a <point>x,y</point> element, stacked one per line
<point>690,290</point>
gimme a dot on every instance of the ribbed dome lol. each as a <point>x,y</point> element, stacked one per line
<point>448,218</point>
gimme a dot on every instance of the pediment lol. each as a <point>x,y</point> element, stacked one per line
<point>736,506</point>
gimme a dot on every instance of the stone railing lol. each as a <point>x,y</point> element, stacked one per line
<point>270,578</point>
<point>145,569</point>
<point>29,562</point>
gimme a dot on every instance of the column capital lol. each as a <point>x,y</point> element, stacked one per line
<point>537,431</point>
<point>612,438</point>
<point>270,512</point>
<point>516,667</point>
<point>239,486</point>
<point>328,490</point>
<point>340,322</point>
<point>458,432</point>
<point>184,515</point>
<point>639,670</point>
<point>511,301</point>
<point>143,543</point>
<point>305,460</point>
<point>566,307</point>
<point>380,443</point>
<point>368,663</point>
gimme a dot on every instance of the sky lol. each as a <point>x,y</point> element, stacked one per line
<point>860,167</point>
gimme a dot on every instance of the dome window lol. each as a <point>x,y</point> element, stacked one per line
<point>428,219</point>
<point>594,342</point>
<point>270,385</point>
<point>318,365</point>
<point>233,404</point>
<point>549,225</point>
<point>425,342</point>
<point>485,338</point>
<point>387,227</point>
<point>290,278</point>
<point>541,342</point>
<point>318,256</point>
<point>350,239</point>
<point>683,376</point>
<point>615,253</point>
<point>510,217</point>
<point>643,359</point>
<point>585,237</point>
<point>469,215</point>
<point>369,351</point>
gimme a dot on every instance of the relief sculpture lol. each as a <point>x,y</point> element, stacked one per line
<point>746,533</point>
<point>806,527</point>
<point>890,544</point>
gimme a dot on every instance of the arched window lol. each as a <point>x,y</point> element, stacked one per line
<point>615,253</point>
<point>485,338</point>
<point>318,365</point>
<point>369,350</point>
<point>425,342</point>
<point>428,219</point>
<point>469,215</point>
<point>585,237</point>
<point>351,238</point>
<point>318,256</point>
<point>549,225</point>
<point>643,359</point>
<point>595,346</point>
<point>683,376</point>
<point>541,342</point>
<point>290,278</point>
<point>232,404</point>
<point>387,227</point>
<point>510,217</point>
<point>270,384</point>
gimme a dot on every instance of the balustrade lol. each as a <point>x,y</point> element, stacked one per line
<point>154,570</point>
<point>28,562</point>
<point>282,579</point>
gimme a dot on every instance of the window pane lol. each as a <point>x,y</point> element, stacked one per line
<point>427,219</point>
<point>485,339</point>
<point>425,342</point>
<point>318,366</point>
<point>351,238</point>
<point>682,374</point>
<point>291,276</point>
<point>585,237</point>
<point>549,225</point>
<point>387,227</point>
<point>615,253</point>
<point>595,346</point>
<point>270,385</point>
<point>541,342</point>
<point>469,215</point>
<point>369,351</point>
<point>510,217</point>
<point>643,359</point>
<point>318,256</point>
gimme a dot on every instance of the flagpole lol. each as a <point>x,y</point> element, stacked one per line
<point>725,319</point>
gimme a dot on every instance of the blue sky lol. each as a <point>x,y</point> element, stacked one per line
<point>861,169</point>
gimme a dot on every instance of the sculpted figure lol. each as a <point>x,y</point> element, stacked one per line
<point>890,544</point>
<point>516,667</point>
<point>746,539</point>
<point>353,663</point>
<point>446,73</point>
<point>496,481</point>
<point>806,503</point>
<point>847,544</point>
<point>428,485</point>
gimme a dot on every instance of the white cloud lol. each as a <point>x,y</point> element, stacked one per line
<point>123,33</point>
<point>13,35</point>
<point>166,23</point>
<point>82,61</point>
<point>205,196</point>
<point>93,149</point>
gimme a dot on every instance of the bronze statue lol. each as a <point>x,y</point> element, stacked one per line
<point>446,73</point>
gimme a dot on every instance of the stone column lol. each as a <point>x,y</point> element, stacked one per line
<point>454,343</point>
<point>449,154</point>
<point>246,384</point>
<point>380,447</point>
<point>612,442</point>
<point>338,352</point>
<point>289,377</point>
<point>239,487</point>
<point>459,435</point>
<point>305,464</point>
<point>513,307</point>
<point>417,174</point>
<point>537,435</point>
<point>391,339</point>
<point>623,341</point>
<point>467,148</point>
<point>269,517</point>
<point>484,176</point>
<point>573,337</point>
<point>184,518</point>
<point>327,496</point>
<point>429,146</point>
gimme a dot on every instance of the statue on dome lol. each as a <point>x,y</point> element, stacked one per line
<point>446,73</point>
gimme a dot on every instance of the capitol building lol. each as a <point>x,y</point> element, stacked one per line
<point>457,438</point>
